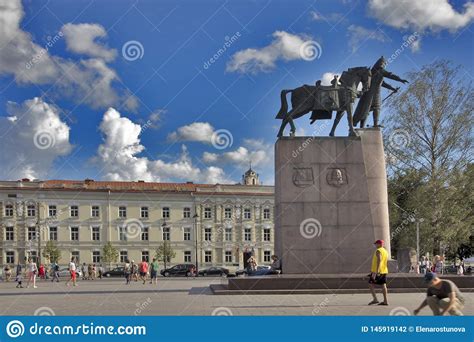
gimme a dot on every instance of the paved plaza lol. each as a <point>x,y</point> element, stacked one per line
<point>181,296</point>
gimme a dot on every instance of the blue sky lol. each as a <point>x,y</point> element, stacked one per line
<point>95,111</point>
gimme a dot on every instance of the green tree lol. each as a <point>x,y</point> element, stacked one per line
<point>109,253</point>
<point>165,253</point>
<point>52,252</point>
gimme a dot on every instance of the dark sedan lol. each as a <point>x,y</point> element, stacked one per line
<point>115,272</point>
<point>178,270</point>
<point>214,272</point>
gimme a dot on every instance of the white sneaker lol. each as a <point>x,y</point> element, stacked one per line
<point>35,287</point>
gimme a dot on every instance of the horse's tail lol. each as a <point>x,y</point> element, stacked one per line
<point>284,105</point>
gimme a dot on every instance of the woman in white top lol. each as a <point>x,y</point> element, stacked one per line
<point>32,270</point>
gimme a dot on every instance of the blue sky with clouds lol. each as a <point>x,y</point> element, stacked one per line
<point>188,90</point>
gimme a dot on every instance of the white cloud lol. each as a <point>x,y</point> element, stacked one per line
<point>119,156</point>
<point>197,131</point>
<point>285,46</point>
<point>331,17</point>
<point>89,81</point>
<point>359,34</point>
<point>434,15</point>
<point>81,38</point>
<point>31,138</point>
<point>328,77</point>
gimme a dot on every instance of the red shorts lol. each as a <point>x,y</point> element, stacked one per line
<point>73,274</point>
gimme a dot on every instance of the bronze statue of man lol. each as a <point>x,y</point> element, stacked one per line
<point>370,101</point>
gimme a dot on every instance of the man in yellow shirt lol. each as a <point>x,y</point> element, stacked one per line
<point>378,272</point>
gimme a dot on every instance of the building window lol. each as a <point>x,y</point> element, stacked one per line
<point>33,255</point>
<point>123,256</point>
<point>74,211</point>
<point>208,256</point>
<point>53,233</point>
<point>228,213</point>
<point>187,234</point>
<point>76,255</point>
<point>247,214</point>
<point>74,233</point>
<point>95,211</point>
<point>207,213</point>
<point>187,256</point>
<point>145,234</point>
<point>228,257</point>
<point>165,212</point>
<point>52,211</point>
<point>10,257</point>
<point>122,212</point>
<point>166,233</point>
<point>9,234</point>
<point>123,233</point>
<point>31,210</point>
<point>266,214</point>
<point>96,256</point>
<point>248,234</point>
<point>145,256</point>
<point>186,212</point>
<point>31,233</point>
<point>266,234</point>
<point>207,234</point>
<point>96,233</point>
<point>144,212</point>
<point>267,256</point>
<point>228,234</point>
<point>9,210</point>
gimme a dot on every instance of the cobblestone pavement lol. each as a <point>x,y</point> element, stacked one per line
<point>181,296</point>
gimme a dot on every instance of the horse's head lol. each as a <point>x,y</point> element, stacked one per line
<point>365,77</point>
<point>353,76</point>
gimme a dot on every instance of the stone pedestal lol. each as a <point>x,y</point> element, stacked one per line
<point>331,202</point>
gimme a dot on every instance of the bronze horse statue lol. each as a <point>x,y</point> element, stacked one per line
<point>323,100</point>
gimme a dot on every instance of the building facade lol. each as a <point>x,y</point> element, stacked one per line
<point>220,225</point>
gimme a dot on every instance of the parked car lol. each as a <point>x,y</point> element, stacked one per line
<point>64,272</point>
<point>244,271</point>
<point>214,271</point>
<point>178,270</point>
<point>115,272</point>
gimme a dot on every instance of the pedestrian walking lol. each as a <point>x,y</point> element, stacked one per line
<point>8,273</point>
<point>83,271</point>
<point>32,271</point>
<point>19,276</point>
<point>89,272</point>
<point>55,272</point>
<point>127,271</point>
<point>143,271</point>
<point>72,271</point>
<point>378,273</point>
<point>442,296</point>
<point>101,271</point>
<point>41,272</point>
<point>154,272</point>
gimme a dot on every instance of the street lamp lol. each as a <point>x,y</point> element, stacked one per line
<point>195,217</point>
<point>418,221</point>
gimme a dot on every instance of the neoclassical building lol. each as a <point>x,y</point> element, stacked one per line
<point>220,224</point>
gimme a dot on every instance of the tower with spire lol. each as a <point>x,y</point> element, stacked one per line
<point>250,177</point>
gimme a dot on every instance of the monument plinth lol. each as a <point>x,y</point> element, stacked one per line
<point>331,202</point>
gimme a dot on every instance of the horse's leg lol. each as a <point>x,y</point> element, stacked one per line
<point>336,122</point>
<point>282,127</point>
<point>349,120</point>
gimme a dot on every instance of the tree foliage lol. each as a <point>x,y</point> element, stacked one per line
<point>52,252</point>
<point>165,253</point>
<point>109,253</point>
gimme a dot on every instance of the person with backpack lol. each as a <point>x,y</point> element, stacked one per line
<point>55,272</point>
<point>154,272</point>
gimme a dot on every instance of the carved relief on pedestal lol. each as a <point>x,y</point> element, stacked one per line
<point>303,176</point>
<point>336,176</point>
